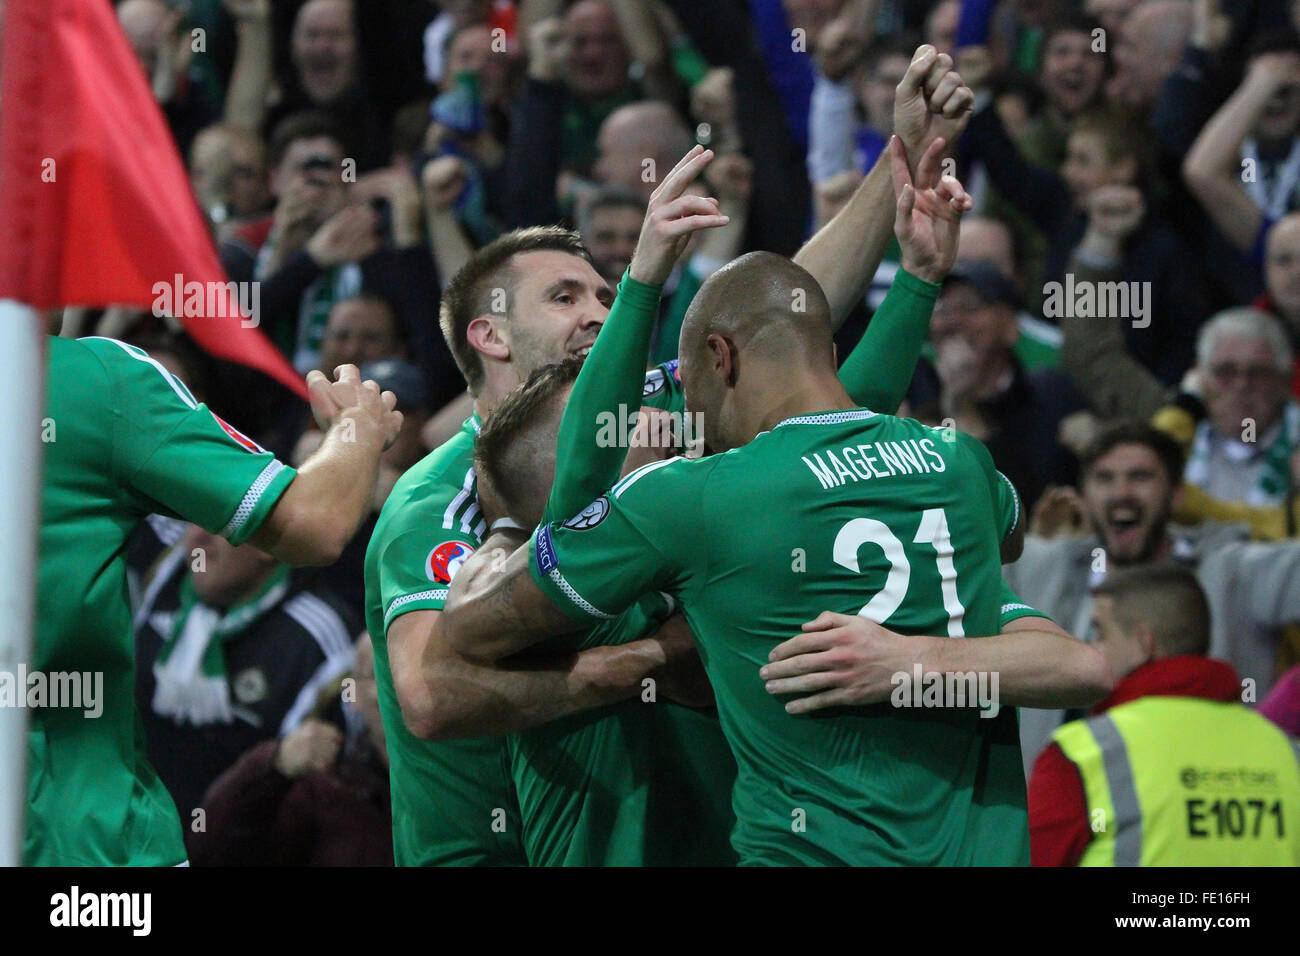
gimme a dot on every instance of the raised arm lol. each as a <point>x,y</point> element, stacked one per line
<point>1093,351</point>
<point>878,371</point>
<point>929,103</point>
<point>1213,168</point>
<point>647,46</point>
<point>442,181</point>
<point>614,373</point>
<point>250,78</point>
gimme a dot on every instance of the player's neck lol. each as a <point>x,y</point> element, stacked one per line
<point>805,397</point>
<point>486,401</point>
<point>499,380</point>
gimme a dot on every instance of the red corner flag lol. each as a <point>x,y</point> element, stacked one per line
<point>93,196</point>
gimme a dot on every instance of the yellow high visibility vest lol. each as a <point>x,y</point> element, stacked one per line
<point>1183,781</point>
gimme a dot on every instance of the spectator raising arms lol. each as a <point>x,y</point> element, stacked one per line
<point>1245,166</point>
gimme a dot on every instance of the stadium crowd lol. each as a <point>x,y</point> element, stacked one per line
<point>1120,330</point>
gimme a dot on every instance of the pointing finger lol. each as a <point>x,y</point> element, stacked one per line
<point>927,169</point>
<point>684,173</point>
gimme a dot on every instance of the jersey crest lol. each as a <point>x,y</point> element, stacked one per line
<point>238,437</point>
<point>589,516</point>
<point>445,560</point>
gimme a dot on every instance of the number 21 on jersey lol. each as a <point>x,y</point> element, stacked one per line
<point>933,531</point>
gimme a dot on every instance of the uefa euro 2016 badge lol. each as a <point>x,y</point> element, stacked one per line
<point>589,516</point>
<point>445,560</point>
<point>238,437</point>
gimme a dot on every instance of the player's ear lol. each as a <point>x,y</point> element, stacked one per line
<point>484,335</point>
<point>722,357</point>
<point>1146,637</point>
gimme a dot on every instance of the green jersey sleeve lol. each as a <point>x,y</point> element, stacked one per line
<point>625,543</point>
<point>416,568</point>
<point>1013,608</point>
<point>429,526</point>
<point>174,456</point>
<point>1008,504</point>
<point>879,370</point>
<point>608,385</point>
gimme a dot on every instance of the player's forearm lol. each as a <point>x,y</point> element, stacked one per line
<point>324,504</point>
<point>493,612</point>
<point>1037,665</point>
<point>610,383</point>
<point>472,699</point>
<point>845,253</point>
<point>879,370</point>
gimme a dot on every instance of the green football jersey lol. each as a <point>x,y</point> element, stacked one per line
<point>584,780</point>
<point>849,511</point>
<point>645,782</point>
<point>123,438</point>
<point>453,801</point>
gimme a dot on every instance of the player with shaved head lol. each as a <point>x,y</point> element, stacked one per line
<point>885,520</point>
<point>530,298</point>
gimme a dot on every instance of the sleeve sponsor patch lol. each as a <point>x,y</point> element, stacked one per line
<point>655,382</point>
<point>238,437</point>
<point>589,516</point>
<point>445,560</point>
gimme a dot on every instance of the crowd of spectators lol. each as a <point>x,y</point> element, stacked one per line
<point>349,157</point>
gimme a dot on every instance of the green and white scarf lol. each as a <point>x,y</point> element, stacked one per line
<point>1274,482</point>
<point>336,284</point>
<point>191,667</point>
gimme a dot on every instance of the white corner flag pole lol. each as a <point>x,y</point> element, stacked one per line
<point>22,402</point>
